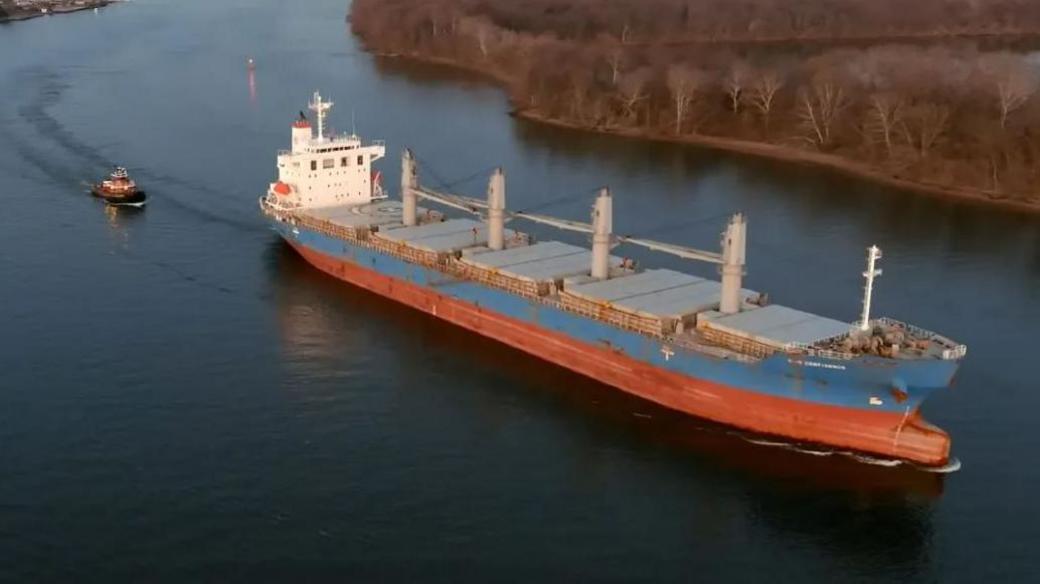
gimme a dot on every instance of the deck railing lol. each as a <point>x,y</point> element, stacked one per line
<point>952,352</point>
<point>812,351</point>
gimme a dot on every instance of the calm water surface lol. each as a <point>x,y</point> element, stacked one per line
<point>181,397</point>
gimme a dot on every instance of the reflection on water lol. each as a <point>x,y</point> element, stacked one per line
<point>252,82</point>
<point>311,332</point>
<point>430,75</point>
<point>314,333</point>
<point>120,220</point>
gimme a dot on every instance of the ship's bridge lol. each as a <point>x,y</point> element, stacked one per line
<point>323,170</point>
<point>335,143</point>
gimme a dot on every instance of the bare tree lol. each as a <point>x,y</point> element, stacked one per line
<point>684,84</point>
<point>481,30</point>
<point>579,93</point>
<point>615,58</point>
<point>632,90</point>
<point>763,92</point>
<point>924,124</point>
<point>679,86</point>
<point>884,114</point>
<point>819,107</point>
<point>735,84</point>
<point>1015,82</point>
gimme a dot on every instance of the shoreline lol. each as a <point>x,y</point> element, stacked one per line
<point>69,9</point>
<point>762,150</point>
<point>847,39</point>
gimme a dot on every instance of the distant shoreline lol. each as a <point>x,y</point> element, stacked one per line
<point>63,9</point>
<point>743,147</point>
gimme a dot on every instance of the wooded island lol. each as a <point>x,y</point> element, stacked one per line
<point>935,95</point>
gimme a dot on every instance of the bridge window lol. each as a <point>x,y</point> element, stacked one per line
<point>328,163</point>
<point>343,161</point>
<point>314,165</point>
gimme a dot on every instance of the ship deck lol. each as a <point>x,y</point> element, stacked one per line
<point>668,304</point>
<point>658,293</point>
<point>368,215</point>
<point>780,325</point>
<point>451,235</point>
<point>544,262</point>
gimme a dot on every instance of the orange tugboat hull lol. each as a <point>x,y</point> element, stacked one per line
<point>136,198</point>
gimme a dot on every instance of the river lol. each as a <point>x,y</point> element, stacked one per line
<point>183,398</point>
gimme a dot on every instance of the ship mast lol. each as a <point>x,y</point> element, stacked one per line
<point>320,109</point>
<point>873,255</point>
<point>602,226</point>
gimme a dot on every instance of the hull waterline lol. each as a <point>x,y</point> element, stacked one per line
<point>138,199</point>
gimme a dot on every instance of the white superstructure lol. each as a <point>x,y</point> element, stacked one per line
<point>325,170</point>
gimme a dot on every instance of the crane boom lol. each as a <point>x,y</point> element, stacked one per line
<point>476,206</point>
<point>676,250</point>
<point>467,204</point>
<point>565,224</point>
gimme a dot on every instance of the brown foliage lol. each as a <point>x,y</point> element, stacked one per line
<point>942,113</point>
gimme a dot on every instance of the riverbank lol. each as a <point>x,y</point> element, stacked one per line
<point>801,156</point>
<point>764,150</point>
<point>60,7</point>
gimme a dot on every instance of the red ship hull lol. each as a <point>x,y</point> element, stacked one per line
<point>878,433</point>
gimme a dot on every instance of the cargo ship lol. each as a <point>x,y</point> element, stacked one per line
<point>711,349</point>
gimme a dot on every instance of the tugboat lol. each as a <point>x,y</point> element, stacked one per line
<point>119,190</point>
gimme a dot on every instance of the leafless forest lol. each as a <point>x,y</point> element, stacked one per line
<point>902,89</point>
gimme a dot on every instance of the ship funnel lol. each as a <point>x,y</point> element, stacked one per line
<point>734,244</point>
<point>409,182</point>
<point>602,225</point>
<point>301,134</point>
<point>496,207</point>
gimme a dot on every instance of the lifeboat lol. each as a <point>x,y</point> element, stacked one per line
<point>119,190</point>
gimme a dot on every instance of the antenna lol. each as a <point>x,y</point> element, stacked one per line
<point>353,126</point>
<point>320,108</point>
<point>873,255</point>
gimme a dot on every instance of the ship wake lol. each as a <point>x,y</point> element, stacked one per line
<point>952,466</point>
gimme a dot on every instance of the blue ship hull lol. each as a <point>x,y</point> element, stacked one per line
<point>875,400</point>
